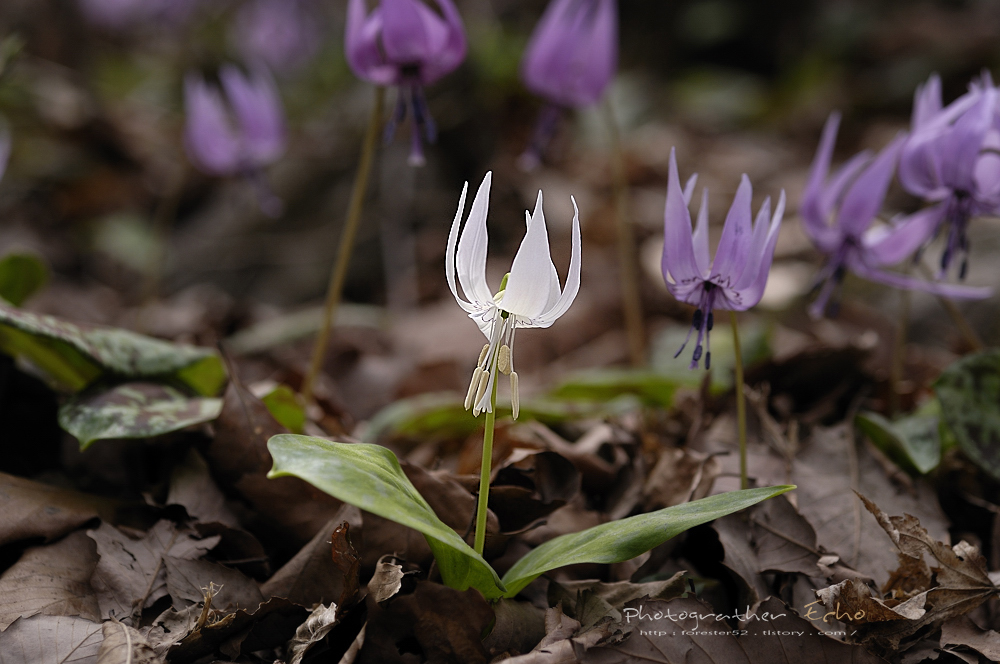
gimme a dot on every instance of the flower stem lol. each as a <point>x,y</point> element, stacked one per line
<point>627,261</point>
<point>339,273</point>
<point>484,471</point>
<point>741,409</point>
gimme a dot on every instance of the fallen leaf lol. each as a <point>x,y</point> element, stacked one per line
<point>589,602</point>
<point>962,632</point>
<point>321,572</point>
<point>131,574</point>
<point>531,485</point>
<point>518,627</point>
<point>314,629</point>
<point>133,410</point>
<point>192,486</point>
<point>124,645</point>
<point>680,475</point>
<point>42,639</point>
<point>53,580</point>
<point>186,578</point>
<point>386,581</point>
<point>436,622</point>
<point>31,509</point>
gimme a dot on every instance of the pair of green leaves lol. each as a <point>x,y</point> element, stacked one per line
<point>126,385</point>
<point>369,476</point>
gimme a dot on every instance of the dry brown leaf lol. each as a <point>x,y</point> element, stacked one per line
<point>314,629</point>
<point>53,580</point>
<point>386,581</point>
<point>531,485</point>
<point>518,628</point>
<point>680,475</point>
<point>313,575</point>
<point>124,645</point>
<point>31,509</point>
<point>42,639</point>
<point>962,632</point>
<point>131,574</point>
<point>589,602</point>
<point>187,578</point>
<point>192,486</point>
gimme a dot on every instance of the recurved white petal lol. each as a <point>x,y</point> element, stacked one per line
<point>449,254</point>
<point>572,285</point>
<point>530,283</point>
<point>471,257</point>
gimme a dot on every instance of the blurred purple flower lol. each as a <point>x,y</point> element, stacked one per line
<point>284,34</point>
<point>406,44</point>
<point>735,280</point>
<point>120,14</point>
<point>952,158</point>
<point>570,60</point>
<point>239,134</point>
<point>5,146</point>
<point>856,193</point>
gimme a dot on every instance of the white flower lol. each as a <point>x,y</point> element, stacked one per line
<point>529,295</point>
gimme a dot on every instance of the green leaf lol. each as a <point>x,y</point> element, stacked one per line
<point>969,392</point>
<point>283,404</point>
<point>133,410</point>
<point>21,275</point>
<point>912,442</point>
<point>75,355</point>
<point>602,385</point>
<point>369,477</point>
<point>625,539</point>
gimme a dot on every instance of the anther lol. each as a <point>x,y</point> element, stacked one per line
<point>515,400</point>
<point>963,269</point>
<point>697,353</point>
<point>473,387</point>
<point>698,317</point>
<point>708,360</point>
<point>484,379</point>
<point>711,321</point>
<point>503,360</point>
<point>482,355</point>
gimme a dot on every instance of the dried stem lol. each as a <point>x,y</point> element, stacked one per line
<point>627,260</point>
<point>741,408</point>
<point>339,273</point>
<point>484,471</point>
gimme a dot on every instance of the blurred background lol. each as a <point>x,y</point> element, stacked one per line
<point>100,187</point>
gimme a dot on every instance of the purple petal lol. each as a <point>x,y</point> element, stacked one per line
<point>734,246</point>
<point>886,245</point>
<point>678,260</point>
<point>257,106</point>
<point>573,53</point>
<point>813,212</point>
<point>754,290</point>
<point>756,252</point>
<point>960,146</point>
<point>926,102</point>
<point>281,33</point>
<point>864,199</point>
<point>361,45</point>
<point>404,32</point>
<point>919,168</point>
<point>209,136</point>
<point>700,236</point>
<point>896,280</point>
<point>449,46</point>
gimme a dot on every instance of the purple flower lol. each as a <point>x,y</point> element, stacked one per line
<point>284,34</point>
<point>406,44</point>
<point>570,60</point>
<point>852,198</point>
<point>735,280</point>
<point>952,159</point>
<point>236,134</point>
<point>5,145</point>
<point>573,53</point>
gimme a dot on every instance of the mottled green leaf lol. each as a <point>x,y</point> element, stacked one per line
<point>625,539</point>
<point>603,385</point>
<point>912,442</point>
<point>21,275</point>
<point>74,355</point>
<point>283,404</point>
<point>133,410</point>
<point>969,392</point>
<point>369,477</point>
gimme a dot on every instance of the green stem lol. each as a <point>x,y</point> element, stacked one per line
<point>741,408</point>
<point>627,260</point>
<point>484,471</point>
<point>339,273</point>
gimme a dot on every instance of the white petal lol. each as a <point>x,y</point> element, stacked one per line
<point>572,279</point>
<point>554,284</point>
<point>530,281</point>
<point>449,254</point>
<point>471,258</point>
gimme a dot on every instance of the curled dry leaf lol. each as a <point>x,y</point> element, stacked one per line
<point>314,629</point>
<point>63,639</point>
<point>386,582</point>
<point>962,632</point>
<point>192,486</point>
<point>917,594</point>
<point>131,574</point>
<point>186,578</point>
<point>590,602</point>
<point>679,475</point>
<point>324,570</point>
<point>531,485</point>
